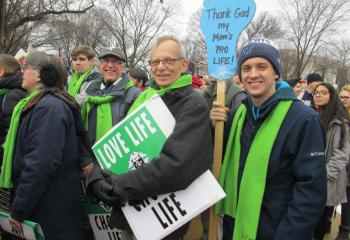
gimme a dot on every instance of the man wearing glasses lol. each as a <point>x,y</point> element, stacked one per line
<point>108,97</point>
<point>186,154</point>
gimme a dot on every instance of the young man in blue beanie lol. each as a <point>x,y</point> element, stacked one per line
<point>274,171</point>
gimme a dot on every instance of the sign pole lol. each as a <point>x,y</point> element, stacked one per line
<point>218,143</point>
<point>222,21</point>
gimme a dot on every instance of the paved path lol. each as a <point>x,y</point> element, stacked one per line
<point>195,229</point>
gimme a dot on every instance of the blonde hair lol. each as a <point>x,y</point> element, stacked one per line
<point>347,89</point>
<point>169,38</point>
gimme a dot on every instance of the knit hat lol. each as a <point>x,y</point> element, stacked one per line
<point>260,46</point>
<point>314,77</point>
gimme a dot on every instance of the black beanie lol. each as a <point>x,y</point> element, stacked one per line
<point>49,76</point>
<point>314,77</point>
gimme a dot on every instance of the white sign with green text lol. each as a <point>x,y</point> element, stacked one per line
<point>137,140</point>
<point>30,230</point>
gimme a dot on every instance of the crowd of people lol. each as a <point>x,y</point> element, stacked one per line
<point>286,151</point>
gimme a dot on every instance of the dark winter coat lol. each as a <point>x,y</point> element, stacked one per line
<point>186,154</point>
<point>45,170</point>
<point>93,75</point>
<point>295,193</point>
<point>120,106</point>
<point>8,101</point>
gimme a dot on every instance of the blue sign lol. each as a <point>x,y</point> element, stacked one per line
<point>222,21</point>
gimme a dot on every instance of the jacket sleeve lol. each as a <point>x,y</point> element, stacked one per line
<point>339,157</point>
<point>309,191</point>
<point>43,157</point>
<point>186,154</point>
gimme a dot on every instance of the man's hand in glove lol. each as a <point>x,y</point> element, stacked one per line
<point>103,191</point>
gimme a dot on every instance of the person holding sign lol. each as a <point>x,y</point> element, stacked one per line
<point>41,152</point>
<point>274,170</point>
<point>186,154</point>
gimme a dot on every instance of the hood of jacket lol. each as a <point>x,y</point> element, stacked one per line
<point>283,92</point>
<point>11,81</point>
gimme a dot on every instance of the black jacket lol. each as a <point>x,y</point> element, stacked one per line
<point>295,192</point>
<point>8,102</point>
<point>186,154</point>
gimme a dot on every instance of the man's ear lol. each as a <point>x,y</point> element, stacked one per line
<point>2,72</point>
<point>185,64</point>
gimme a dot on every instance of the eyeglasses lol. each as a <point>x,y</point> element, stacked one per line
<point>344,97</point>
<point>323,93</point>
<point>165,61</point>
<point>111,60</point>
<point>26,67</point>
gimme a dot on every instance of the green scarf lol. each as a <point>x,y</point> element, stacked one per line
<point>10,142</point>
<point>104,120</point>
<point>3,91</point>
<point>183,81</point>
<point>246,210</point>
<point>76,81</point>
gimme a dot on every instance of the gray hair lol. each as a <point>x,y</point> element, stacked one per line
<point>171,38</point>
<point>37,60</point>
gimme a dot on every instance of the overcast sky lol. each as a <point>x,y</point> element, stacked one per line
<point>190,6</point>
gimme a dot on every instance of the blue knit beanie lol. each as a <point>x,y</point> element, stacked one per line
<point>260,46</point>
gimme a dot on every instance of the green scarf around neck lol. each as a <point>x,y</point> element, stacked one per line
<point>104,121</point>
<point>245,207</point>
<point>183,81</point>
<point>3,91</point>
<point>10,142</point>
<point>76,81</point>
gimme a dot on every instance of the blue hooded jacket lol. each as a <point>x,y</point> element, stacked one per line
<point>295,192</point>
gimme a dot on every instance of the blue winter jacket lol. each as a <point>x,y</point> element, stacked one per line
<point>295,192</point>
<point>45,170</point>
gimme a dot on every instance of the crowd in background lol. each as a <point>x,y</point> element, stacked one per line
<point>49,121</point>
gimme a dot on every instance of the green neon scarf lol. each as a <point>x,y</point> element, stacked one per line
<point>246,209</point>
<point>76,81</point>
<point>183,81</point>
<point>104,120</point>
<point>10,142</point>
<point>3,91</point>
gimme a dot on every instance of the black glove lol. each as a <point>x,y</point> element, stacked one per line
<point>112,179</point>
<point>103,191</point>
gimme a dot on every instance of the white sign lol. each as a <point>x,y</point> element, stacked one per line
<point>30,230</point>
<point>157,217</point>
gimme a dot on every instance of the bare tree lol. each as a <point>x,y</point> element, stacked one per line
<point>265,24</point>
<point>134,24</point>
<point>68,31</point>
<point>308,23</point>
<point>342,54</point>
<point>19,17</point>
<point>194,43</point>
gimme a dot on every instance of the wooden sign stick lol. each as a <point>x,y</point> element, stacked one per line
<point>218,144</point>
